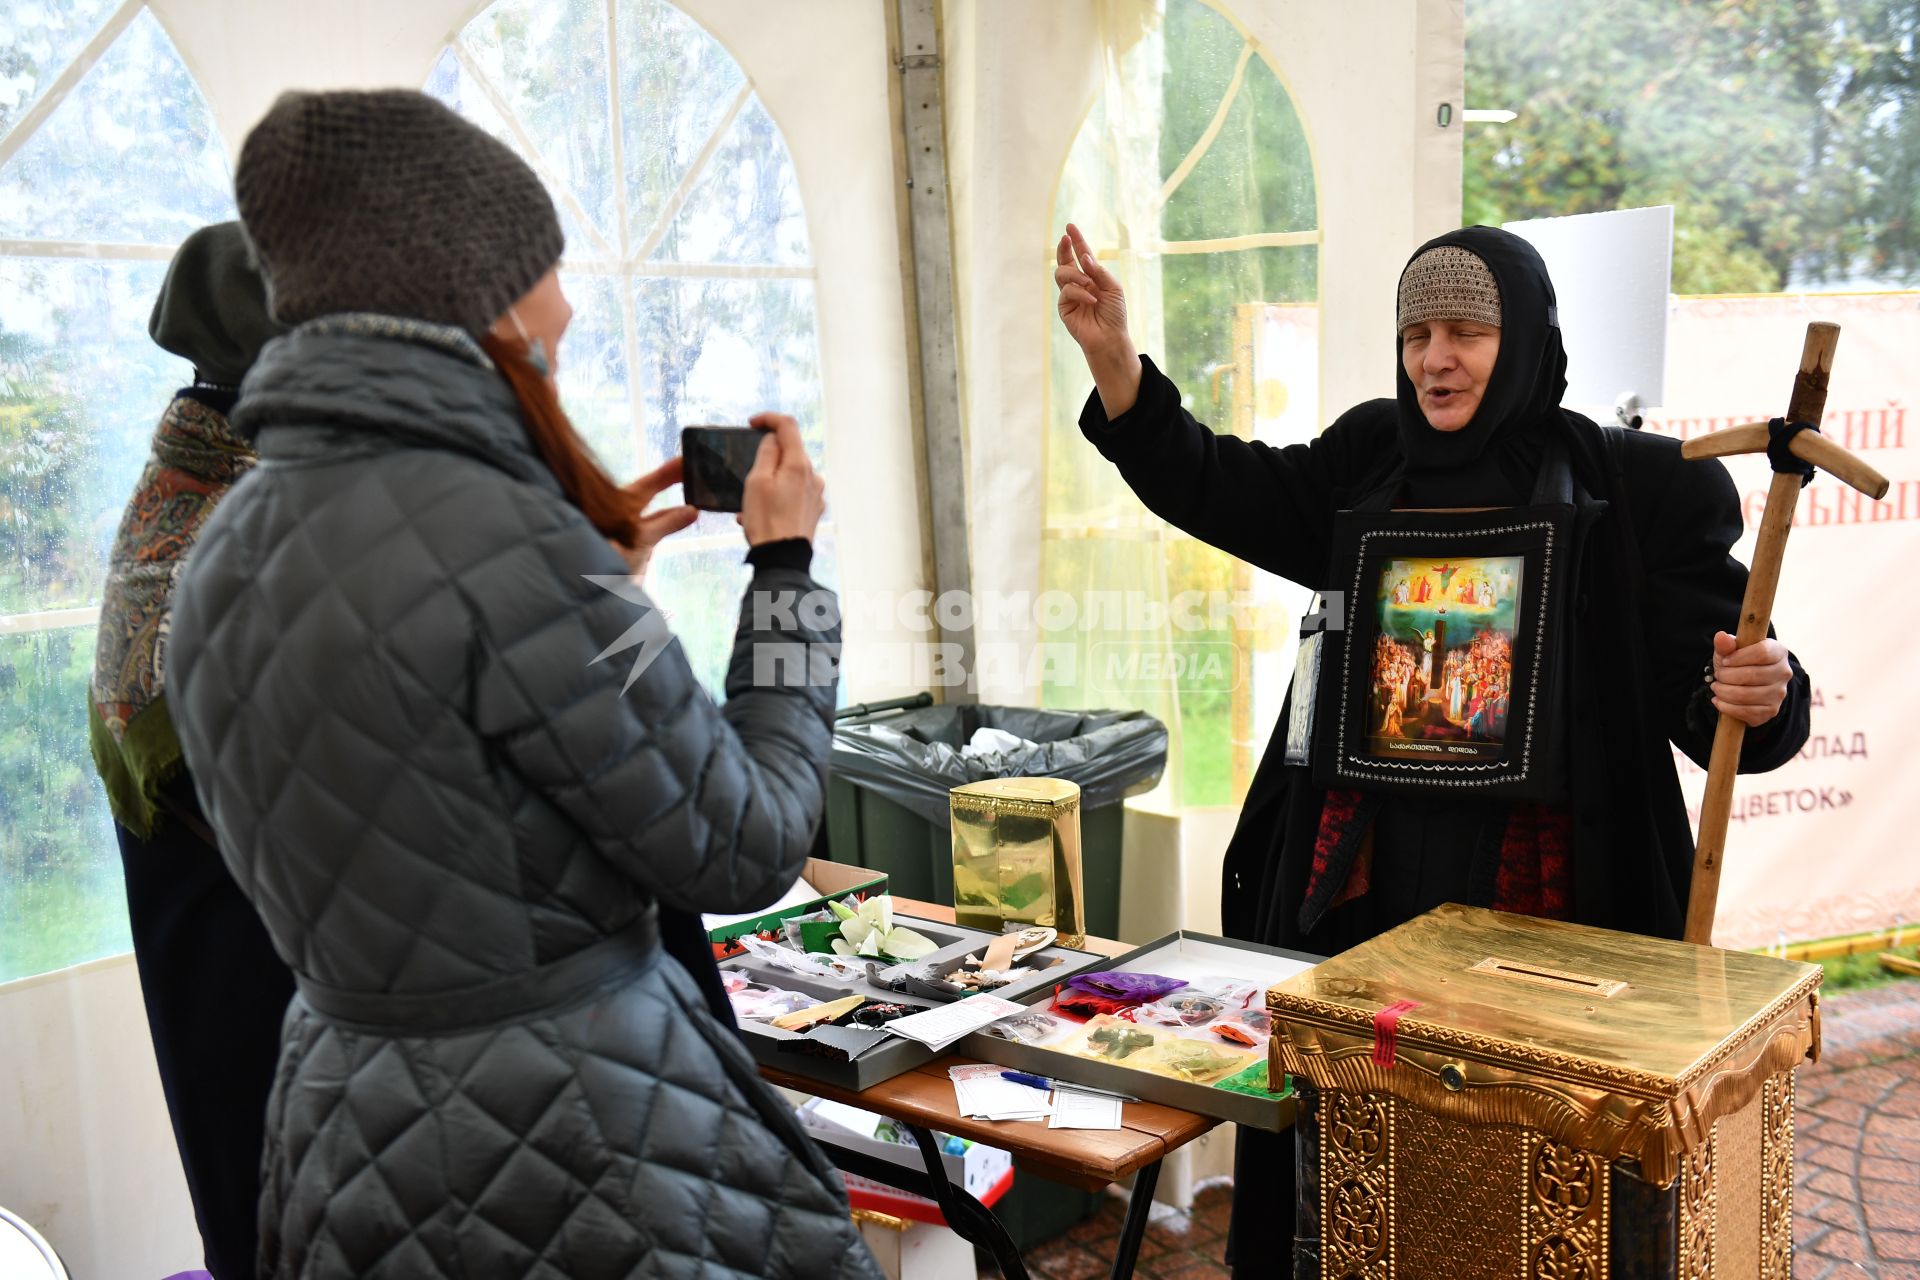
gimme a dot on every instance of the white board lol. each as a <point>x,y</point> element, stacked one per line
<point>1613,273</point>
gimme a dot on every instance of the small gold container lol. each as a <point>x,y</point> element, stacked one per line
<point>1484,1096</point>
<point>1016,856</point>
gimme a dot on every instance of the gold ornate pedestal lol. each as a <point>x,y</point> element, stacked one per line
<point>1562,1103</point>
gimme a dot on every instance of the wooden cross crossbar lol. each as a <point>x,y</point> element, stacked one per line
<point>1808,402</point>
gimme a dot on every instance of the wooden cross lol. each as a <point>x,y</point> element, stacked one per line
<point>1808,402</point>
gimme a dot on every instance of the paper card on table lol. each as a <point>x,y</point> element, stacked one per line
<point>1073,1109</point>
<point>940,1027</point>
<point>982,1091</point>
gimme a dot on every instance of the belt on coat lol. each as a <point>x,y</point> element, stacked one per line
<point>551,988</point>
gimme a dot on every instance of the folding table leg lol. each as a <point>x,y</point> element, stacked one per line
<point>1139,1206</point>
<point>973,1221</point>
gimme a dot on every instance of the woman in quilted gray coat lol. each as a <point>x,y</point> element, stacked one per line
<point>460,766</point>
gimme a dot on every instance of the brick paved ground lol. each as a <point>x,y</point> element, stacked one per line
<point>1856,1205</point>
<point>1857,1199</point>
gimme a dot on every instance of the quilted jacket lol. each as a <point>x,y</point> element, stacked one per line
<point>387,673</point>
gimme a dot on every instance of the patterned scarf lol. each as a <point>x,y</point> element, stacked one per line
<point>194,459</point>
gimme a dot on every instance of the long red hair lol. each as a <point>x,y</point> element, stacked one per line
<point>614,511</point>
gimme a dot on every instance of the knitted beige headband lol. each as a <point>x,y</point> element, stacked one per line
<point>1448,283</point>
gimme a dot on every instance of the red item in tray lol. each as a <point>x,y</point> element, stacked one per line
<point>1075,1003</point>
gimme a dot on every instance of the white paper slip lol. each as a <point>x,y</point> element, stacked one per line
<point>981,1092</point>
<point>1073,1109</point>
<point>940,1027</point>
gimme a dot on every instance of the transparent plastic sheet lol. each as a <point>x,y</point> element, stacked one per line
<point>914,760</point>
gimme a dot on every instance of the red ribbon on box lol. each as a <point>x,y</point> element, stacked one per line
<point>1386,1034</point>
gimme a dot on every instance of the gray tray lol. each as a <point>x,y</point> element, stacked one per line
<point>898,1055</point>
<point>1272,1113</point>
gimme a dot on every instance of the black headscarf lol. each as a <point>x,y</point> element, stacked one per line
<point>1491,461</point>
<point>212,309</point>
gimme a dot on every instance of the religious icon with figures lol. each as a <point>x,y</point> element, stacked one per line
<point>1442,663</point>
<point>1445,673</point>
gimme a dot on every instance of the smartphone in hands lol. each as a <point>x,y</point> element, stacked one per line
<point>716,461</point>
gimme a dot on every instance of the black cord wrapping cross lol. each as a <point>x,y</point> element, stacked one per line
<point>1780,434</point>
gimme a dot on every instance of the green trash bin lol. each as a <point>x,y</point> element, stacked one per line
<point>891,772</point>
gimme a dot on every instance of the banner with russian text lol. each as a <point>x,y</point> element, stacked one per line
<point>1829,843</point>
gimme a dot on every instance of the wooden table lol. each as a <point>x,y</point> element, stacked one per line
<point>923,1100</point>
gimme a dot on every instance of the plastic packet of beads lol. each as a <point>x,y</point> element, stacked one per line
<point>1248,1029</point>
<point>733,980</point>
<point>757,1002</point>
<point>1033,1027</point>
<point>1110,1039</point>
<point>1196,1061</point>
<point>1232,993</point>
<point>1181,1009</point>
<point>876,1014</point>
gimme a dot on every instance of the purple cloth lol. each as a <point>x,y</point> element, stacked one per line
<point>1137,987</point>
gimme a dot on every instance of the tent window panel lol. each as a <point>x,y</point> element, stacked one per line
<point>62,900</point>
<point>718,350</point>
<point>548,59</point>
<point>37,41</point>
<point>676,88</point>
<point>1199,293</point>
<point>746,208</point>
<point>81,386</point>
<point>455,84</point>
<point>593,374</point>
<point>1192,162</point>
<point>129,156</point>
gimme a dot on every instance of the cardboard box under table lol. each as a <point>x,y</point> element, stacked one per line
<point>1487,1095</point>
<point>1191,957</point>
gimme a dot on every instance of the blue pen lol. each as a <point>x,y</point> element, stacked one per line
<point>1021,1077</point>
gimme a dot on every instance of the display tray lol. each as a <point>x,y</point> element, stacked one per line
<point>772,1046</point>
<point>1194,958</point>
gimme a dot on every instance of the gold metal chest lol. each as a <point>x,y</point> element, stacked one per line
<point>1488,1095</point>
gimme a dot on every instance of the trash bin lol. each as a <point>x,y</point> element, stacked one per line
<point>887,805</point>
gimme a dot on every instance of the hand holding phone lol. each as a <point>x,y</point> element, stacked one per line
<point>785,496</point>
<point>716,462</point>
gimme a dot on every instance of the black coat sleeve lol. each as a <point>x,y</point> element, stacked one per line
<point>1272,508</point>
<point>1689,514</point>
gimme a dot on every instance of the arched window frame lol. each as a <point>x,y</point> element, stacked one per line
<point>632,257</point>
<point>1270,608</point>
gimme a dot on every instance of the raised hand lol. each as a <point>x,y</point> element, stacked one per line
<point>1093,307</point>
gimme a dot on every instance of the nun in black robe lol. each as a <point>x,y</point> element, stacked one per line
<point>1320,871</point>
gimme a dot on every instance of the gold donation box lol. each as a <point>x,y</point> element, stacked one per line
<point>1489,1095</point>
<point>1016,856</point>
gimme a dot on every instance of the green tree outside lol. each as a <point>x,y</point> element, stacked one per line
<point>1785,133</point>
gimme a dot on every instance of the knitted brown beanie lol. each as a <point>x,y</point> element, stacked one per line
<point>388,201</point>
<point>1448,283</point>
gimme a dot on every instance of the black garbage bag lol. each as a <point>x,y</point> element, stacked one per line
<point>913,758</point>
